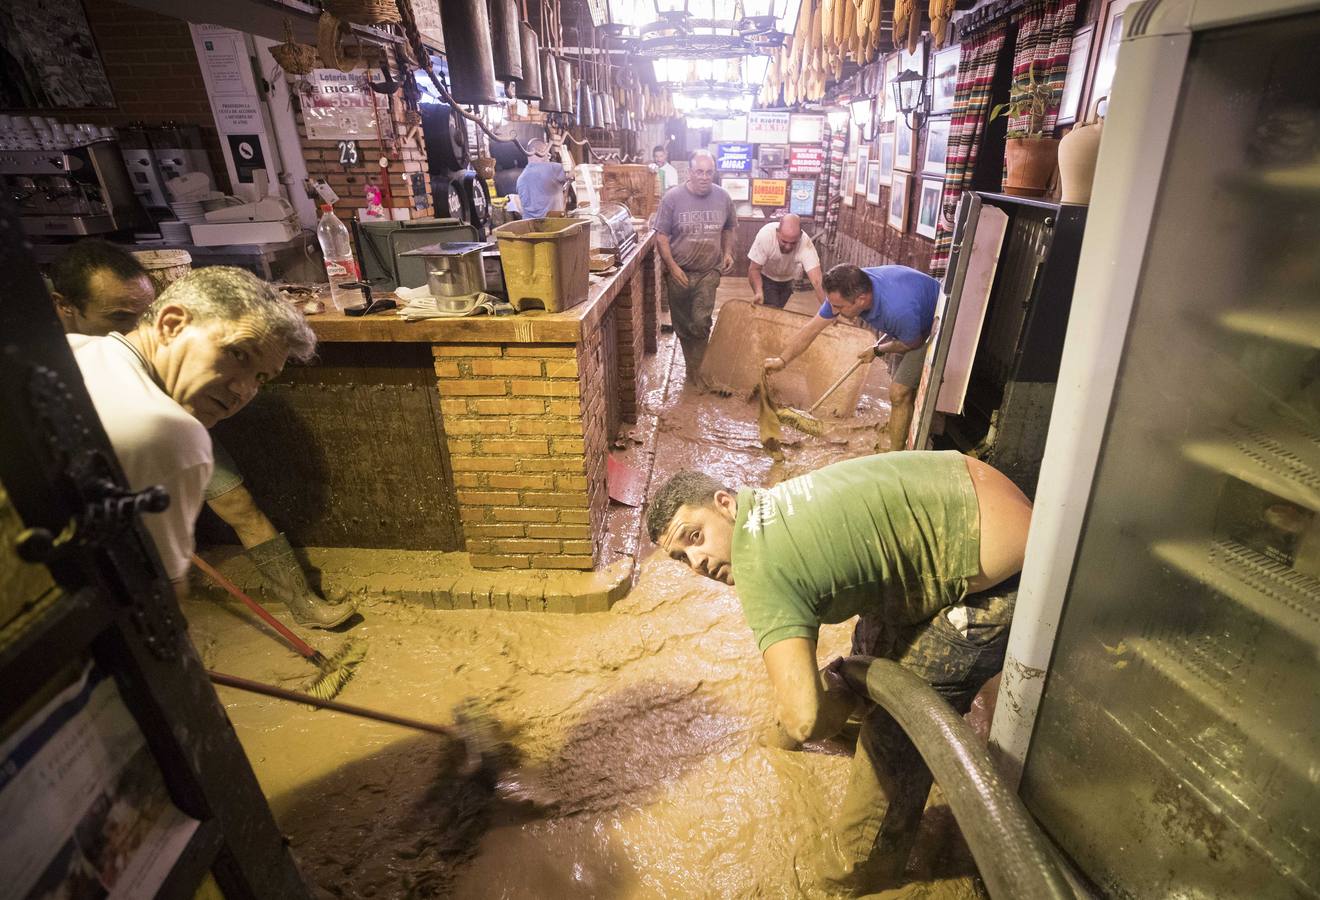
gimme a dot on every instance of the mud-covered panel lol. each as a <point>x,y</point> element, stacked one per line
<point>350,452</point>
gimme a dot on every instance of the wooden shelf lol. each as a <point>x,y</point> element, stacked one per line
<point>1271,590</point>
<point>1300,327</point>
<point>1284,463</point>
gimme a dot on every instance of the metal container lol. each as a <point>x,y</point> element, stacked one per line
<point>586,105</point>
<point>506,32</point>
<point>454,272</point>
<point>529,87</point>
<point>550,84</point>
<point>567,93</point>
<point>467,45</point>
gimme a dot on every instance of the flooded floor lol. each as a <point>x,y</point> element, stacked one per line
<point>626,761</point>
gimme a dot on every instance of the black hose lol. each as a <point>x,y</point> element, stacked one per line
<point>1014,857</point>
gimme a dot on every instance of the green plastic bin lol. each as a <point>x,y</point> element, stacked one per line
<point>545,262</point>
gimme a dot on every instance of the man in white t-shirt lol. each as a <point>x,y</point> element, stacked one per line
<point>661,165</point>
<point>778,257</point>
<point>198,355</point>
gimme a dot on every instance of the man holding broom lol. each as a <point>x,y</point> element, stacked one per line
<point>896,302</point>
<point>198,355</point>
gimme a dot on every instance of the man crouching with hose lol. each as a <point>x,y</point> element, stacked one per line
<point>924,547</point>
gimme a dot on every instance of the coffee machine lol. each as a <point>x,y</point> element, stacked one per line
<point>79,191</point>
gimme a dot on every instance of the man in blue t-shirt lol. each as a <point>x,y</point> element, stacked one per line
<point>898,304</point>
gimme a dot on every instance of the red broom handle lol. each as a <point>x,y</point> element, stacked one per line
<point>298,643</point>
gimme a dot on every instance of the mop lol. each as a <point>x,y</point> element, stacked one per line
<point>336,670</point>
<point>771,416</point>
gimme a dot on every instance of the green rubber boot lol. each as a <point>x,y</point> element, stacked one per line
<point>284,580</point>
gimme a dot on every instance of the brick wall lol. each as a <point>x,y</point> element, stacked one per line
<point>153,72</point>
<point>406,158</point>
<point>529,476</point>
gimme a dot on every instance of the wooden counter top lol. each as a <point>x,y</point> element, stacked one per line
<point>531,327</point>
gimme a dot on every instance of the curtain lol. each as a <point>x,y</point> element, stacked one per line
<point>971,109</point>
<point>1045,31</point>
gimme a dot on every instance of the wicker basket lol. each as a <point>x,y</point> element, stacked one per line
<point>294,58</point>
<point>364,12</point>
<point>330,36</point>
<point>164,267</point>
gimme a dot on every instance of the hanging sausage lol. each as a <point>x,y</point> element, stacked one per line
<point>468,51</point>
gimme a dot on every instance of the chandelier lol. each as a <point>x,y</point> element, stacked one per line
<point>705,29</point>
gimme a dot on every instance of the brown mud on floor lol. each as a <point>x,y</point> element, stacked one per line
<point>639,773</point>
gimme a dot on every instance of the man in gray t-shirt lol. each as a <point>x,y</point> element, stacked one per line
<point>694,228</point>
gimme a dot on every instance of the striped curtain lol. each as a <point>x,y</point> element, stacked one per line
<point>1045,30</point>
<point>971,106</point>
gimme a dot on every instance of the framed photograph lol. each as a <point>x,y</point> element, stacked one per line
<point>914,61</point>
<point>886,155</point>
<point>902,145</point>
<point>898,200</point>
<point>928,206</point>
<point>944,80</point>
<point>937,147</point>
<point>848,181</point>
<point>1078,60</point>
<point>891,71</point>
<point>863,157</point>
<point>740,189</point>
<point>1107,58</point>
<point>772,157</point>
<point>873,183</point>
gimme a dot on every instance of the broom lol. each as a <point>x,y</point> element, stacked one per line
<point>336,670</point>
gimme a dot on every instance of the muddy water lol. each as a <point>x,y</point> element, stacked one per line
<point>626,761</point>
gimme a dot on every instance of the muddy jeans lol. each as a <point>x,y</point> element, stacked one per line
<point>691,308</point>
<point>955,652</point>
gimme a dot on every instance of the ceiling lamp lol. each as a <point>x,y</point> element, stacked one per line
<point>704,29</point>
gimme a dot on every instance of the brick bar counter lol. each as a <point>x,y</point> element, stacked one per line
<point>488,434</point>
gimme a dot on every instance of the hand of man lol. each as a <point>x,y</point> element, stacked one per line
<point>776,738</point>
<point>678,275</point>
<point>726,264</point>
<point>774,364</point>
<point>758,297</point>
<point>870,352</point>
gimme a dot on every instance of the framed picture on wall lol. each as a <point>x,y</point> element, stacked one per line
<point>1071,98</point>
<point>886,152</point>
<point>848,181</point>
<point>937,147</point>
<point>739,189</point>
<point>898,200</point>
<point>1102,79</point>
<point>944,80</point>
<point>890,71</point>
<point>902,145</point>
<point>873,183</point>
<point>863,157</point>
<point>928,206</point>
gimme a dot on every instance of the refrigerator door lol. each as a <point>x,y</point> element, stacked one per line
<point>1175,747</point>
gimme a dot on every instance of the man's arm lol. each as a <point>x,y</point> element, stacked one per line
<point>817,282</point>
<point>662,241</point>
<point>726,248</point>
<point>805,708</point>
<point>798,343</point>
<point>754,279</point>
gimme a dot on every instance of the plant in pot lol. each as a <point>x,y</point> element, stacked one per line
<point>1029,154</point>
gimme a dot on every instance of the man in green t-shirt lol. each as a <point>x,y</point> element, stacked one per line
<point>923,547</point>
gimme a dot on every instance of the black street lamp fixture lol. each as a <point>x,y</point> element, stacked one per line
<point>863,113</point>
<point>910,98</point>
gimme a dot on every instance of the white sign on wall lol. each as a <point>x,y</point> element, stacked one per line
<point>342,106</point>
<point>767,127</point>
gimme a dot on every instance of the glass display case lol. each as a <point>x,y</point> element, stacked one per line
<point>1177,743</point>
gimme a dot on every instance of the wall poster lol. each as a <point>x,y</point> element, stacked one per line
<point>769,191</point>
<point>806,128</point>
<point>738,189</point>
<point>767,127</point>
<point>51,60</point>
<point>802,197</point>
<point>341,106</point>
<point>806,160</point>
<point>733,157</point>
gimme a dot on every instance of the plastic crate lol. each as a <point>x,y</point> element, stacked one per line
<point>545,262</point>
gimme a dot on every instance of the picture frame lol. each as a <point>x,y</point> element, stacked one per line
<point>898,201</point>
<point>738,189</point>
<point>859,182</point>
<point>771,156</point>
<point>873,183</point>
<point>849,180</point>
<point>902,145</point>
<point>936,151</point>
<point>929,199</point>
<point>1079,59</point>
<point>1106,56</point>
<point>890,71</point>
<point>944,80</point>
<point>885,150</point>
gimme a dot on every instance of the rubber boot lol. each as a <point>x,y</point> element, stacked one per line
<point>285,581</point>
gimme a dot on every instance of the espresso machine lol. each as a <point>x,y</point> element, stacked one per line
<point>68,193</point>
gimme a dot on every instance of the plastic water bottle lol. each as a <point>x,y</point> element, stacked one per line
<point>337,250</point>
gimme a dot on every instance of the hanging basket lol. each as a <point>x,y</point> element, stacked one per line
<point>294,58</point>
<point>330,36</point>
<point>364,12</point>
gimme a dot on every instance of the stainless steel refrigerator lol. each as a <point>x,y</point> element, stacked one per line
<point>1161,698</point>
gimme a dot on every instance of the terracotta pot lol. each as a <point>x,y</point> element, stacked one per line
<point>1030,164</point>
<point>1077,154</point>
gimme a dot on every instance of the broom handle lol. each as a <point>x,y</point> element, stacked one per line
<point>834,387</point>
<point>298,643</point>
<point>256,687</point>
